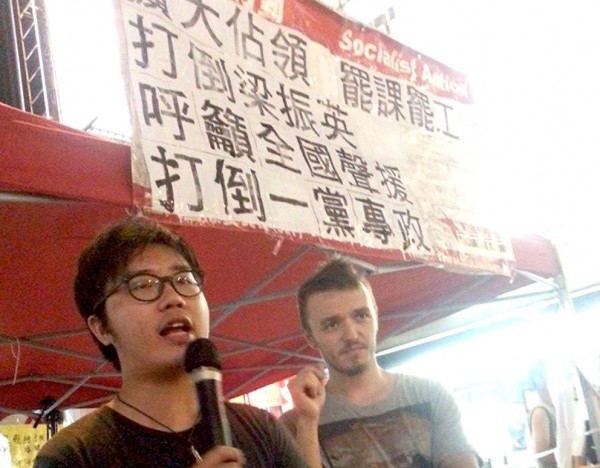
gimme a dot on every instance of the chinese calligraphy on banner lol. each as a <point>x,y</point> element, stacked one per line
<point>286,116</point>
<point>24,442</point>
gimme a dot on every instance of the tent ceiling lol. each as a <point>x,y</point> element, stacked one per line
<point>59,187</point>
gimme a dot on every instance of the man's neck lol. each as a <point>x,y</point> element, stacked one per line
<point>365,388</point>
<point>172,402</point>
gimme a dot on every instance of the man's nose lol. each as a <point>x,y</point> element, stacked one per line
<point>170,295</point>
<point>350,330</point>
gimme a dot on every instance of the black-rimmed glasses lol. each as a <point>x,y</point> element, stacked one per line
<point>147,287</point>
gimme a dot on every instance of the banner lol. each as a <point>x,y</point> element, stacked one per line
<point>288,117</point>
<point>24,442</point>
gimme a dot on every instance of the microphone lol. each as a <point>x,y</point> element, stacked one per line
<point>203,363</point>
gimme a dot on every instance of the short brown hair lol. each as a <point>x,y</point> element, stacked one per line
<point>337,275</point>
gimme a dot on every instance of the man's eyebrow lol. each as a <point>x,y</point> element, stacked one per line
<point>175,268</point>
<point>329,318</point>
<point>142,271</point>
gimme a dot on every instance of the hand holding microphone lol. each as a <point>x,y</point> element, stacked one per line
<point>221,457</point>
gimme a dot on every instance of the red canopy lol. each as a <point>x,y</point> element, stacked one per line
<point>59,186</point>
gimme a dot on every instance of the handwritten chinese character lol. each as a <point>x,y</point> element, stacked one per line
<point>227,131</point>
<point>159,102</point>
<point>375,222</point>
<point>412,232</point>
<point>420,110</point>
<point>389,98</point>
<point>334,121</point>
<point>240,189</point>
<point>392,182</point>
<point>277,147</point>
<point>250,44</point>
<point>356,166</point>
<point>296,107</point>
<point>144,45</point>
<point>318,159</point>
<point>336,209</point>
<point>255,88</point>
<point>154,5</point>
<point>356,87</point>
<point>446,108</point>
<point>169,167</point>
<point>201,10</point>
<point>210,73</point>
<point>290,53</point>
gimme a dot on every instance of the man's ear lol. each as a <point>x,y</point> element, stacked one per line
<point>100,331</point>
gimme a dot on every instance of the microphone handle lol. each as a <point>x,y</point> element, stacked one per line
<point>214,424</point>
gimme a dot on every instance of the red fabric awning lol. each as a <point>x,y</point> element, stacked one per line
<point>59,186</point>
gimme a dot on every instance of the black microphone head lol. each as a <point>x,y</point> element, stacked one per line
<point>201,353</point>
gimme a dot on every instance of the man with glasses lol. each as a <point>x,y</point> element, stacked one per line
<point>139,288</point>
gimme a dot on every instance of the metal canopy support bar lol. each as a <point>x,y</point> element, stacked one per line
<point>55,335</point>
<point>535,296</point>
<point>66,378</point>
<point>451,332</point>
<point>268,279</point>
<point>538,279</point>
<point>371,268</point>
<point>418,317</point>
<point>92,403</point>
<point>53,349</point>
<point>72,390</point>
<point>60,380</point>
<point>262,368</point>
<point>260,374</point>
<point>531,276</point>
<point>245,301</point>
<point>426,335</point>
<point>252,346</point>
<point>14,197</point>
<point>6,410</point>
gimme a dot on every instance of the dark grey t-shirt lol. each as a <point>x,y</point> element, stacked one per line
<point>106,438</point>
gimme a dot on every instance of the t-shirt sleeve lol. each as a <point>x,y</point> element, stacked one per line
<point>449,436</point>
<point>47,462</point>
<point>63,450</point>
<point>264,441</point>
<point>91,441</point>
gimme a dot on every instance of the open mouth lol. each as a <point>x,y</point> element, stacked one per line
<point>176,326</point>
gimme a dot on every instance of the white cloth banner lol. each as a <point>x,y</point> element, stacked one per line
<point>287,117</point>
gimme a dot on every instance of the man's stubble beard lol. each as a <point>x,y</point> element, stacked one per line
<point>350,370</point>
